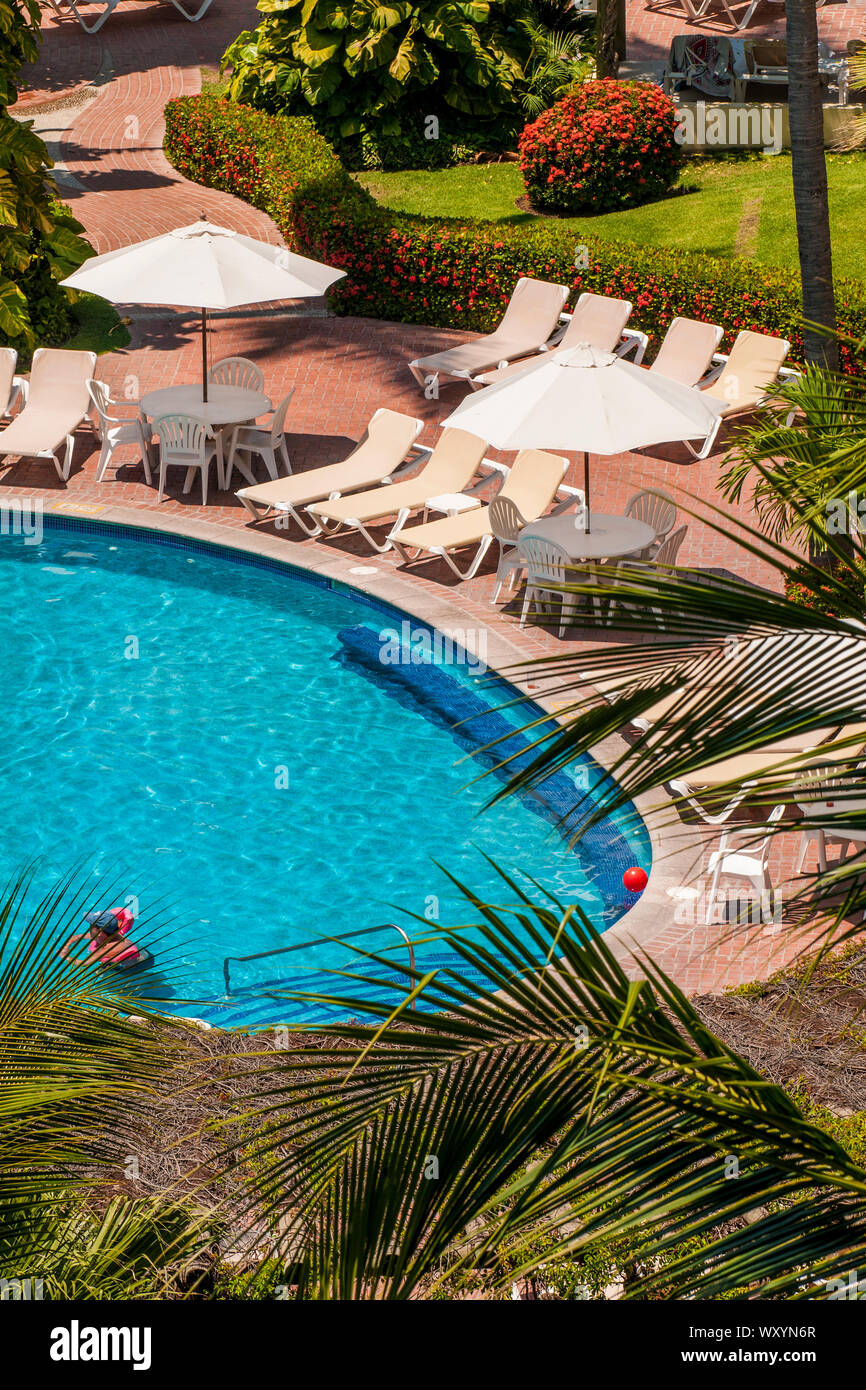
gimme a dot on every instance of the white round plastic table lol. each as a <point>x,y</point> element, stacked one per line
<point>608,536</point>
<point>225,405</point>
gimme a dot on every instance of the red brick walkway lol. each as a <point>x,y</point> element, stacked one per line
<point>341,371</point>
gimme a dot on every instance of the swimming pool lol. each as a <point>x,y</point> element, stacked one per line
<point>217,727</point>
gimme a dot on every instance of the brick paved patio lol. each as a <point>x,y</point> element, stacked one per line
<point>120,186</point>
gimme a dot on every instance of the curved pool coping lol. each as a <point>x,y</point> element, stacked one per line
<point>673,865</point>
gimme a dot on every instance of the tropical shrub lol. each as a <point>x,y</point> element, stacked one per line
<point>605,145</point>
<point>801,587</point>
<point>39,242</point>
<point>456,141</point>
<point>455,273</point>
<point>354,64</point>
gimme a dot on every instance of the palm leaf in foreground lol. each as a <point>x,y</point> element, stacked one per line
<point>563,1095</point>
<point>75,1074</point>
<point>743,669</point>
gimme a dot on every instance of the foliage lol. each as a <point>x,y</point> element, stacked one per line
<point>378,79</point>
<point>606,145</point>
<point>456,142</point>
<point>558,53</point>
<point>550,1115</point>
<point>806,456</point>
<point>703,212</point>
<point>39,242</point>
<point>457,273</point>
<point>96,326</point>
<point>75,1075</point>
<point>800,586</point>
<point>352,64</point>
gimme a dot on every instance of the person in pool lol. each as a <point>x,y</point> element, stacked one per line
<point>107,937</point>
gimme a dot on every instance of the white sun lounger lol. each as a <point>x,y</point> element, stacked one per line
<point>11,386</point>
<point>57,402</point>
<point>450,469</point>
<point>746,379</point>
<point>531,485</point>
<point>531,317</point>
<point>597,319</point>
<point>111,5</point>
<point>378,458</point>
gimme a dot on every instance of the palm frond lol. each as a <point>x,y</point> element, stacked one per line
<point>565,1098</point>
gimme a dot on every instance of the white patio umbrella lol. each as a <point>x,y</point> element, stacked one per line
<point>587,400</point>
<point>202,267</point>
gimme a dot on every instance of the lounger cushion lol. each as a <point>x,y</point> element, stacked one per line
<point>388,440</point>
<point>750,371</point>
<point>37,430</point>
<point>450,468</point>
<point>530,318</point>
<point>531,485</point>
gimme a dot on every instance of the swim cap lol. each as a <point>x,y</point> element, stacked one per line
<point>106,921</point>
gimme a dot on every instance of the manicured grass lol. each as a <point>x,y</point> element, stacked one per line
<point>98,326</point>
<point>725,207</point>
<point>212,84</point>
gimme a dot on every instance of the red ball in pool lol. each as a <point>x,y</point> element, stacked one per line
<point>635,879</point>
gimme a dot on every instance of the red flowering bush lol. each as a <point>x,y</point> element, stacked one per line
<point>606,145</point>
<point>454,273</point>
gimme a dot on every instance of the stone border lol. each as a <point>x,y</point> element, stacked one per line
<point>673,865</point>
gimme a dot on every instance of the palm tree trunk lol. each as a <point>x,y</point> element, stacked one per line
<point>810,182</point>
<point>606,38</point>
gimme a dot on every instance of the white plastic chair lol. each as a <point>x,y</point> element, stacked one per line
<point>548,567</point>
<point>113,430</point>
<point>11,386</point>
<point>751,863</point>
<point>666,555</point>
<point>822,788</point>
<point>250,439</point>
<point>237,371</point>
<point>506,523</point>
<point>184,443</point>
<point>657,510</point>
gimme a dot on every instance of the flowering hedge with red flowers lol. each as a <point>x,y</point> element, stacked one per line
<point>456,273</point>
<point>606,145</point>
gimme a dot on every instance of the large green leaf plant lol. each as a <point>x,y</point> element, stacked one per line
<point>355,65</point>
<point>39,241</point>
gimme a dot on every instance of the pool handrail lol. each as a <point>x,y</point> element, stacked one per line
<point>303,945</point>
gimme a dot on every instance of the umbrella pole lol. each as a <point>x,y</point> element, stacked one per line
<point>204,354</point>
<point>586,517</point>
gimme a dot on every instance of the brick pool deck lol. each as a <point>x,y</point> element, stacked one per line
<point>118,183</point>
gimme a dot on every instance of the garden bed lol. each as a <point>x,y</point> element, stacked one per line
<point>458,273</point>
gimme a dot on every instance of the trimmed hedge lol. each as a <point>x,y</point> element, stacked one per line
<point>458,273</point>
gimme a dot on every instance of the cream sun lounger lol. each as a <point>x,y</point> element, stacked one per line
<point>380,455</point>
<point>687,350</point>
<point>57,402</point>
<point>11,386</point>
<point>597,320</point>
<point>450,469</point>
<point>530,319</point>
<point>748,373</point>
<point>786,759</point>
<point>531,485</point>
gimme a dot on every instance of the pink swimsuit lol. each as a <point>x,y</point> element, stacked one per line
<point>125,920</point>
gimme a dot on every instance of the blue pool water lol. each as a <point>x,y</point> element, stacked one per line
<point>213,729</point>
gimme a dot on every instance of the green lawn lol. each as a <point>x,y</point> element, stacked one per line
<point>98,327</point>
<point>726,206</point>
